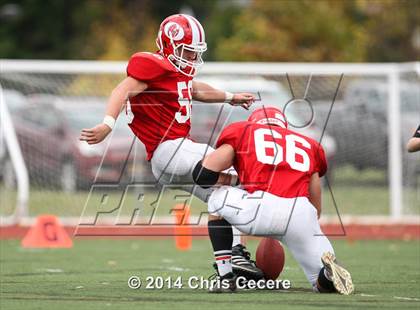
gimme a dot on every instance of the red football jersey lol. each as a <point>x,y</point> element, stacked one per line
<point>161,112</point>
<point>274,159</point>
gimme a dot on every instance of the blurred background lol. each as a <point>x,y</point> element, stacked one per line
<point>49,106</point>
<point>236,30</point>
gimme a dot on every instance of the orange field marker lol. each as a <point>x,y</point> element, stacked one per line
<point>182,230</point>
<point>47,233</point>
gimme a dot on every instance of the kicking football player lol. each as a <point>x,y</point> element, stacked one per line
<point>158,91</point>
<point>280,174</point>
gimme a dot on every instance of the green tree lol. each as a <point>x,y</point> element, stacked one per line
<point>301,30</point>
<point>123,29</point>
<point>40,29</point>
<point>258,30</point>
<point>393,29</point>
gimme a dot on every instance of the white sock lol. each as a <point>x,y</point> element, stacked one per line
<point>236,236</point>
<point>223,261</point>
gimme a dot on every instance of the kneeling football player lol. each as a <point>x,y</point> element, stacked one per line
<point>279,171</point>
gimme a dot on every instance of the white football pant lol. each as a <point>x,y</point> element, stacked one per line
<point>293,221</point>
<point>173,162</point>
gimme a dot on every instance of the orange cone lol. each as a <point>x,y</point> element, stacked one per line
<point>47,233</point>
<point>182,230</point>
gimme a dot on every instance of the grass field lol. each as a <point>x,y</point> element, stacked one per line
<point>356,200</point>
<point>93,275</point>
<point>354,192</point>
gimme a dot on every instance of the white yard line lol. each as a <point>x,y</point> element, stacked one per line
<point>395,297</point>
<point>368,295</point>
<point>407,298</point>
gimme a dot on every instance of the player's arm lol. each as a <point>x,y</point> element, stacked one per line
<point>206,93</point>
<point>207,172</point>
<point>413,144</point>
<point>127,88</point>
<point>315,192</point>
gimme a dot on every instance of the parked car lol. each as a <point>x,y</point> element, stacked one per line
<point>48,130</point>
<point>360,123</point>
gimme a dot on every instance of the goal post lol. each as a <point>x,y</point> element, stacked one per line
<point>375,93</point>
<point>394,132</point>
<point>10,142</point>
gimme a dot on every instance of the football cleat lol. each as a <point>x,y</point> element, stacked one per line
<point>243,266</point>
<point>224,284</point>
<point>339,276</point>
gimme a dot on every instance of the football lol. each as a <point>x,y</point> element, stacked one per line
<point>270,258</point>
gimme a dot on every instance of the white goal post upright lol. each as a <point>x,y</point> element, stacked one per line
<point>8,133</point>
<point>389,70</point>
<point>394,145</point>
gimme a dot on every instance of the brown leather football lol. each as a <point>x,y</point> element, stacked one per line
<point>270,258</point>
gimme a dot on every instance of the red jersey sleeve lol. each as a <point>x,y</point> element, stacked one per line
<point>321,161</point>
<point>143,67</point>
<point>230,135</point>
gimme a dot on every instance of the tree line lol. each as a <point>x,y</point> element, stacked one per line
<point>236,30</point>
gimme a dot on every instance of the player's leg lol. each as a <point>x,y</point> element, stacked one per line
<point>173,162</point>
<point>220,233</point>
<point>308,245</point>
<point>241,258</point>
<point>232,204</point>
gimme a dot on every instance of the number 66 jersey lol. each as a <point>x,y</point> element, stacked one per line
<point>273,159</point>
<point>161,112</point>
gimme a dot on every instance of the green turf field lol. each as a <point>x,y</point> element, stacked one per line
<point>93,275</point>
<point>364,201</point>
<point>354,193</point>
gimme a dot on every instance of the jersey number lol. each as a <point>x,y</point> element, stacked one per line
<point>262,146</point>
<point>184,101</point>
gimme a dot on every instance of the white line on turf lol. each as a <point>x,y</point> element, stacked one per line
<point>407,298</point>
<point>395,297</point>
<point>174,268</point>
<point>50,270</point>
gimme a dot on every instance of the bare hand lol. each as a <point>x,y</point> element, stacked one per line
<point>95,135</point>
<point>244,100</point>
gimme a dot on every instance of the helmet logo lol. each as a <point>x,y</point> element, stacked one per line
<point>174,31</point>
